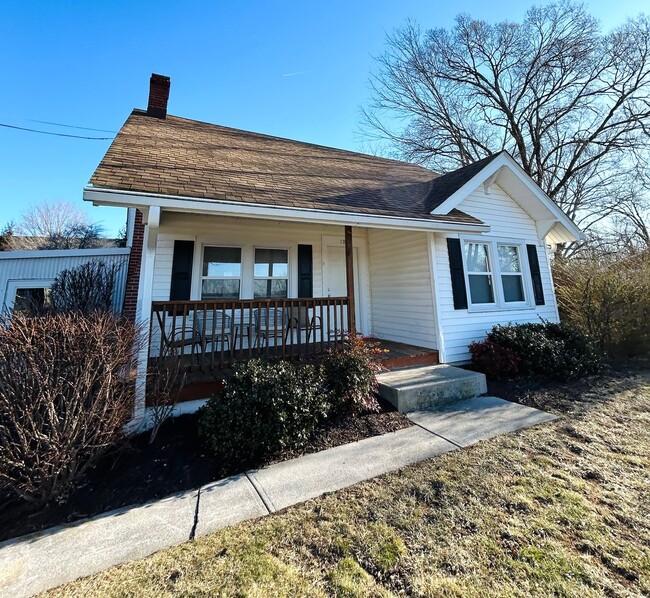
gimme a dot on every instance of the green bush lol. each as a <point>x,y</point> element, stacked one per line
<point>350,376</point>
<point>608,298</point>
<point>264,408</point>
<point>555,351</point>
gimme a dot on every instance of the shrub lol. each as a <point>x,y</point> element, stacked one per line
<point>65,396</point>
<point>263,409</point>
<point>608,298</point>
<point>86,289</point>
<point>350,376</point>
<point>164,387</point>
<point>544,349</point>
<point>490,357</point>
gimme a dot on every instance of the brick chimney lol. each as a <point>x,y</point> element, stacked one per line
<point>158,96</point>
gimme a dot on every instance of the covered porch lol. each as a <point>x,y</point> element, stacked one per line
<point>225,290</point>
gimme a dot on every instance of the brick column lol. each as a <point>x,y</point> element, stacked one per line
<point>133,272</point>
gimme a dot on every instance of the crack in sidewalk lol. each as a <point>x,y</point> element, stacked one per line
<point>449,440</point>
<point>196,515</point>
<point>270,507</point>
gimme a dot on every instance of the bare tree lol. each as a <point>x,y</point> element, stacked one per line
<point>86,289</point>
<point>569,102</point>
<point>57,225</point>
<point>7,237</point>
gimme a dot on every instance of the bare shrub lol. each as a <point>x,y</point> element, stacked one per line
<point>86,289</point>
<point>608,298</point>
<point>65,394</point>
<point>164,387</point>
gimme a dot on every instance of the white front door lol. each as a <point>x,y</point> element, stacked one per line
<point>334,275</point>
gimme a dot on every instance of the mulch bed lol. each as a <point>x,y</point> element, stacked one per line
<point>559,397</point>
<point>176,461</point>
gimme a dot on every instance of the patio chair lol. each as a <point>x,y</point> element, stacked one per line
<point>270,323</point>
<point>174,341</point>
<point>301,321</point>
<point>213,328</point>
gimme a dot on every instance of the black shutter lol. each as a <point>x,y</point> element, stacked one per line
<point>181,286</point>
<point>305,271</point>
<point>533,262</point>
<point>457,273</point>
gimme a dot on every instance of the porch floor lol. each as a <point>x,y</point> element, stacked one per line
<point>202,384</point>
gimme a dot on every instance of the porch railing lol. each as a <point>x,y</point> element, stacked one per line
<point>213,335</point>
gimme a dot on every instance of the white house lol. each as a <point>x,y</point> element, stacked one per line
<point>245,236</point>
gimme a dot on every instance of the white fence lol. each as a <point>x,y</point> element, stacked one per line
<point>38,269</point>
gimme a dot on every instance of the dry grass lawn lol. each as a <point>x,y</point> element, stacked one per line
<point>562,509</point>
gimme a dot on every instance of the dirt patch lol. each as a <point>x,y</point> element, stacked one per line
<point>176,461</point>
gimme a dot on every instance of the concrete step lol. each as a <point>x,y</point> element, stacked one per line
<point>429,387</point>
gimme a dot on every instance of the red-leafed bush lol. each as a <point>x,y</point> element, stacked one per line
<point>350,376</point>
<point>494,360</point>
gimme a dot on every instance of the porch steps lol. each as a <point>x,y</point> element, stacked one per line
<point>400,355</point>
<point>429,386</point>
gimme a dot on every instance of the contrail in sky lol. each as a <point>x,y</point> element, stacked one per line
<point>294,74</point>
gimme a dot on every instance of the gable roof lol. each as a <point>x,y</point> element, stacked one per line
<point>552,223</point>
<point>445,185</point>
<point>191,159</point>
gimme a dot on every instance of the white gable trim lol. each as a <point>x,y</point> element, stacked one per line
<point>488,176</point>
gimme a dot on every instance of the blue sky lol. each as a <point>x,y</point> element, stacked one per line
<point>293,69</point>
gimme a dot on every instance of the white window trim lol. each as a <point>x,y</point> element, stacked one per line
<point>14,284</point>
<point>240,278</point>
<point>500,303</point>
<point>247,278</point>
<point>288,277</point>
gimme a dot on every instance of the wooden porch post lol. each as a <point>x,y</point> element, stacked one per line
<point>349,273</point>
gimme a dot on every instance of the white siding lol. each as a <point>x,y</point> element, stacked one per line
<point>510,222</point>
<point>246,233</point>
<point>33,267</point>
<point>400,282</point>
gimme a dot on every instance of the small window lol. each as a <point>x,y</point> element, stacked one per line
<point>32,301</point>
<point>479,273</point>
<point>512,277</point>
<point>221,275</point>
<point>271,273</point>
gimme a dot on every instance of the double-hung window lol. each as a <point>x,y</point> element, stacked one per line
<point>495,274</point>
<point>512,276</point>
<point>221,274</point>
<point>271,273</point>
<point>479,273</point>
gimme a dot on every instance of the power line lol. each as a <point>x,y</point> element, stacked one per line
<point>47,122</point>
<point>55,134</point>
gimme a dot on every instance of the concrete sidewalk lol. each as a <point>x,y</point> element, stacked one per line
<point>34,563</point>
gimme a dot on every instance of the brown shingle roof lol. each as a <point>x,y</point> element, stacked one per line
<point>177,156</point>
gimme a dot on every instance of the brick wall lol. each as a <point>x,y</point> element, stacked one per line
<point>133,272</point>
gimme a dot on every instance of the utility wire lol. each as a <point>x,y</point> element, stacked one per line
<point>47,122</point>
<point>55,134</point>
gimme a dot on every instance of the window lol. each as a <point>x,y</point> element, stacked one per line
<point>221,275</point>
<point>479,274</point>
<point>495,274</point>
<point>271,273</point>
<point>512,277</point>
<point>32,301</point>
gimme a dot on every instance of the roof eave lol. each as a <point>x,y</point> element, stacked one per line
<point>136,199</point>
